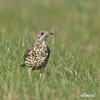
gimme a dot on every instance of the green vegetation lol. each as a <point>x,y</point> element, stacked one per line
<point>74,64</point>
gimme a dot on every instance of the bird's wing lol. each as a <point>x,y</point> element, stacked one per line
<point>27,53</point>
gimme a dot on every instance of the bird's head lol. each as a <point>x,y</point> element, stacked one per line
<point>42,35</point>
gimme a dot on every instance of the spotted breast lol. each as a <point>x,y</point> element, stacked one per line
<point>37,56</point>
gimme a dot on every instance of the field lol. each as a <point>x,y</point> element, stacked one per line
<point>74,64</point>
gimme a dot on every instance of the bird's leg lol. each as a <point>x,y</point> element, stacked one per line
<point>29,73</point>
<point>42,73</point>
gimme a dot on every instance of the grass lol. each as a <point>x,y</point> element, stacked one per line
<point>74,64</point>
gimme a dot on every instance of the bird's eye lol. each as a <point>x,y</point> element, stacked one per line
<point>42,33</point>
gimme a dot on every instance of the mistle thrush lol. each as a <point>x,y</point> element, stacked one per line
<point>36,57</point>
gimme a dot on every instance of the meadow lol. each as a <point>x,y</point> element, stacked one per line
<point>74,64</point>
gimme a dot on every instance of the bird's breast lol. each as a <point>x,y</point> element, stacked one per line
<point>38,56</point>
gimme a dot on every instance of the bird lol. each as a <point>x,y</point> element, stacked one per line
<point>37,56</point>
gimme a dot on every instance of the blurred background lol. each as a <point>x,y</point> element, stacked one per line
<point>64,17</point>
<point>75,46</point>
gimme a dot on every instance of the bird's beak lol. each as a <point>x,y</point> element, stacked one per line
<point>51,33</point>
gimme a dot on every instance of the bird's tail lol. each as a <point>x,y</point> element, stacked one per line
<point>22,65</point>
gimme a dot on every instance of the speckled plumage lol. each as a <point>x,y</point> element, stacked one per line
<point>36,57</point>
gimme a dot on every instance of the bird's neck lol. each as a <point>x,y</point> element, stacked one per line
<point>43,43</point>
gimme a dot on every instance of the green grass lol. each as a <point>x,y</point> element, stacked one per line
<point>74,64</point>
